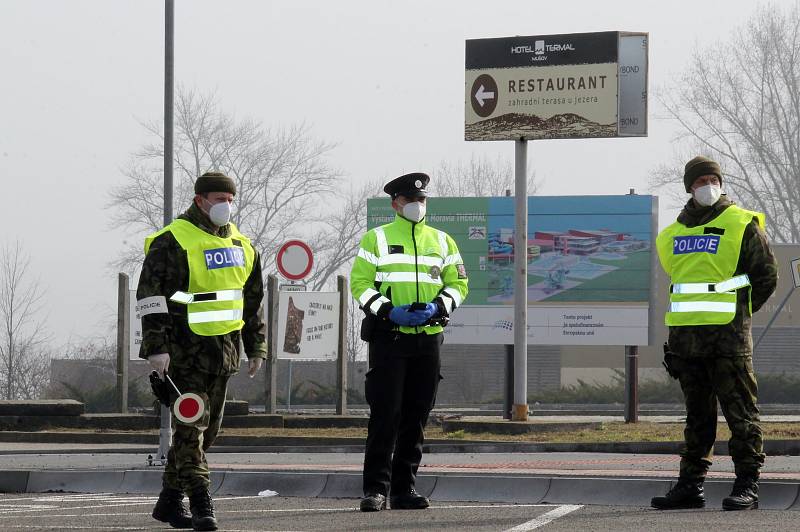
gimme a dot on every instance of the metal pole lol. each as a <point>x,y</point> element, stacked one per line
<point>631,384</point>
<point>773,318</point>
<point>165,433</point>
<point>289,388</point>
<point>123,342</point>
<point>341,361</point>
<point>520,412</point>
<point>169,84</point>
<point>271,371</point>
<point>508,374</point>
<point>631,376</point>
<point>508,388</point>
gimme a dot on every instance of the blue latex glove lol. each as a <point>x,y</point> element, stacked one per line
<point>428,313</point>
<point>401,316</point>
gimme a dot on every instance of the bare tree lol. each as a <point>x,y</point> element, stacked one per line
<point>336,235</point>
<point>355,346</point>
<point>739,102</point>
<point>24,355</point>
<point>280,174</point>
<point>477,177</point>
<point>98,347</point>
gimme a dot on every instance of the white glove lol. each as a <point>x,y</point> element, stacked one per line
<point>159,363</point>
<point>255,363</point>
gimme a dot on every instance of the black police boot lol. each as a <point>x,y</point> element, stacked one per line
<point>170,509</point>
<point>685,494</point>
<point>410,500</point>
<point>744,495</point>
<point>373,502</point>
<point>202,510</point>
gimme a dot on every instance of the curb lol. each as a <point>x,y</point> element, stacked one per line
<point>464,488</point>
<point>297,444</point>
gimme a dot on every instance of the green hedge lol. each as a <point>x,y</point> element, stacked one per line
<point>314,393</point>
<point>104,400</point>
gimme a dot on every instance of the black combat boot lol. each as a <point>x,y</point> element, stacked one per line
<point>744,495</point>
<point>373,502</point>
<point>202,510</point>
<point>170,509</point>
<point>685,494</point>
<point>410,500</point>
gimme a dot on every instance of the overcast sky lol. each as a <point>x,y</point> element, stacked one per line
<point>384,80</point>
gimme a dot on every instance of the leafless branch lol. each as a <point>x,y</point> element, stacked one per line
<point>738,101</point>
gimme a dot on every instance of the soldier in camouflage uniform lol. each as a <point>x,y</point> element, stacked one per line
<point>713,361</point>
<point>198,363</point>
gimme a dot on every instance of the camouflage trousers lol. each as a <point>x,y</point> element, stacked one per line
<point>187,468</point>
<point>731,381</point>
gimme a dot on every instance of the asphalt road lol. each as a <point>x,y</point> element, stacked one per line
<point>66,512</point>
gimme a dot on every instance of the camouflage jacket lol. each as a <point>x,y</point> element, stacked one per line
<point>758,262</point>
<point>165,271</point>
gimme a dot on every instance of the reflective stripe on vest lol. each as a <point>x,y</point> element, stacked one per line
<point>406,277</point>
<point>211,316</point>
<point>702,306</point>
<point>200,297</point>
<point>740,281</point>
<point>218,270</point>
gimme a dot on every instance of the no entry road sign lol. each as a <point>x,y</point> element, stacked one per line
<point>294,260</point>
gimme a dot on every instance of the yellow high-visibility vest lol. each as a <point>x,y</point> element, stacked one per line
<point>218,270</point>
<point>701,262</point>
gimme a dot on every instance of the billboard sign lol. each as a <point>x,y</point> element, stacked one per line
<point>308,325</point>
<point>579,85</point>
<point>589,267</point>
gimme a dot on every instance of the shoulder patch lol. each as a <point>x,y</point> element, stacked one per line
<point>462,271</point>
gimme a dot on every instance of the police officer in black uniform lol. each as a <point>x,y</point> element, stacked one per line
<point>408,277</point>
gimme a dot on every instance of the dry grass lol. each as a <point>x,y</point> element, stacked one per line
<point>606,432</point>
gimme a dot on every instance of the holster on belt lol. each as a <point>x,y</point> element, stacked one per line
<point>372,326</point>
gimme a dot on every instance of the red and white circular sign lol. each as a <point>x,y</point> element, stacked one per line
<point>294,260</point>
<point>189,407</point>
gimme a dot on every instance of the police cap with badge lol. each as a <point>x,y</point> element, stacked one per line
<point>409,185</point>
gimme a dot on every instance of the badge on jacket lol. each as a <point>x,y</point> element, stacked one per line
<point>434,272</point>
<point>462,271</point>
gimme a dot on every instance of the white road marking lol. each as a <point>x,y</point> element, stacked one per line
<point>545,518</point>
<point>12,511</point>
<point>115,501</point>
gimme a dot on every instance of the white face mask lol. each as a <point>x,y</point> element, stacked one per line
<point>220,213</point>
<point>707,195</point>
<point>414,211</point>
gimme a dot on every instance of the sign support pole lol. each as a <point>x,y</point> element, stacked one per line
<point>341,360</point>
<point>123,342</point>
<point>632,375</point>
<point>289,388</point>
<point>271,371</point>
<point>631,384</point>
<point>520,410</point>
